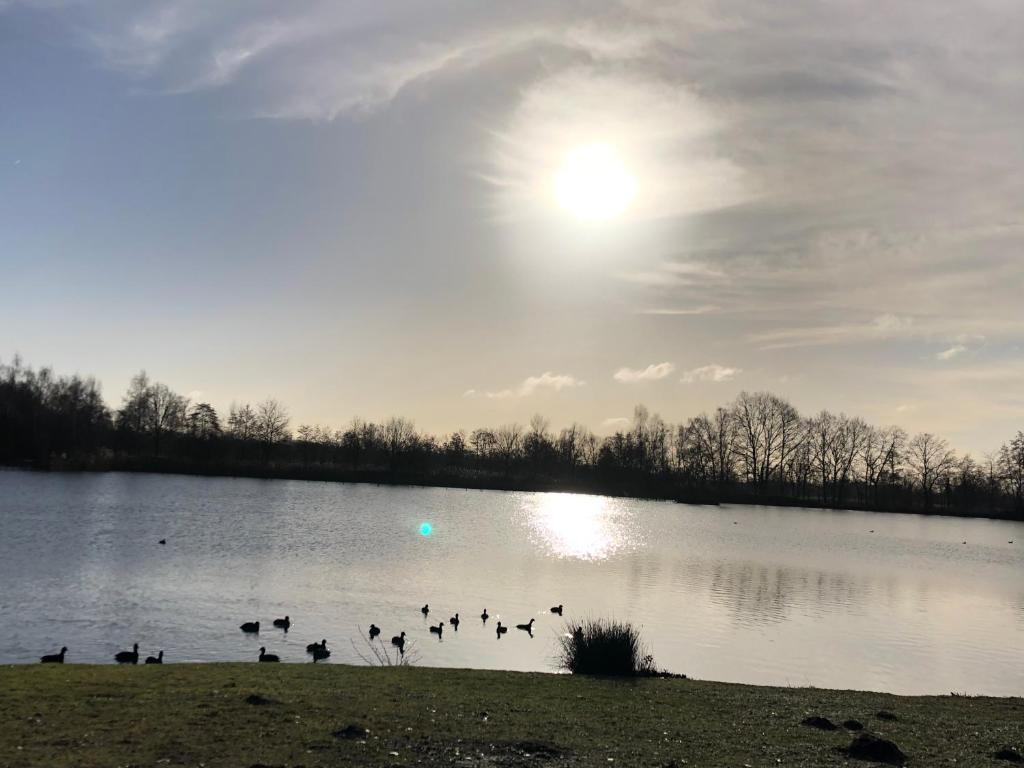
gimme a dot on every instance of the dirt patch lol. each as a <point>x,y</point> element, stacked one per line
<point>260,701</point>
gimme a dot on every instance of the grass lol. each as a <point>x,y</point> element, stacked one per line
<point>604,647</point>
<point>199,715</point>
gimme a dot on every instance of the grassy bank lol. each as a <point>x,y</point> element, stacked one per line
<point>203,715</point>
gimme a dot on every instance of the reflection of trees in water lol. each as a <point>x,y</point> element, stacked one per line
<point>765,594</point>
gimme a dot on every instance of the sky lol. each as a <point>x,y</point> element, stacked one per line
<point>469,212</point>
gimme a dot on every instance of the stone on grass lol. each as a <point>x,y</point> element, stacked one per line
<point>873,748</point>
<point>823,723</point>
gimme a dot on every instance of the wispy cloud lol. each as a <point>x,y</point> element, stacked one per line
<point>547,381</point>
<point>949,354</point>
<point>883,326</point>
<point>713,372</point>
<point>701,310</point>
<point>652,372</point>
<point>615,422</point>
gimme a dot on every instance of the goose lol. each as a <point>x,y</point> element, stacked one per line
<point>454,621</point>
<point>250,626</point>
<point>321,653</point>
<point>501,630</point>
<point>314,647</point>
<point>54,658</point>
<point>483,616</point>
<point>528,627</point>
<point>284,623</point>
<point>268,657</point>
<point>128,657</point>
<point>374,631</point>
<point>425,609</point>
<point>399,642</point>
<point>158,659</point>
<point>438,629</point>
<point>557,609</point>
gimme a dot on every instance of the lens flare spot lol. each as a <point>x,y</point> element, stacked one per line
<point>425,529</point>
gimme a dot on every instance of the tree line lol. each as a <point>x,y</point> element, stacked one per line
<point>758,448</point>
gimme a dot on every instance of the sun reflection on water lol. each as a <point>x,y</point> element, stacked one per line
<point>575,526</point>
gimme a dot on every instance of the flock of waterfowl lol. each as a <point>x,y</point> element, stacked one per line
<point>319,651</point>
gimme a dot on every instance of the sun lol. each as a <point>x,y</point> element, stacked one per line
<point>594,183</point>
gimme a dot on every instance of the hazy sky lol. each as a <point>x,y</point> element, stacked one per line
<point>355,207</point>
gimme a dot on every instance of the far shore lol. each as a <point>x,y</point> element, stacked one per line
<point>489,482</point>
<point>318,715</point>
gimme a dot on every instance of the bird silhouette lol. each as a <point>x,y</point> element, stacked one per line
<point>128,657</point>
<point>54,658</point>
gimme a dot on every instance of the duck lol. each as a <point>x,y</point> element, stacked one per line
<point>501,630</point>
<point>484,617</point>
<point>54,658</point>
<point>374,631</point>
<point>399,642</point>
<point>250,626</point>
<point>268,657</point>
<point>425,609</point>
<point>454,621</point>
<point>321,653</point>
<point>438,629</point>
<point>163,541</point>
<point>314,647</point>
<point>528,627</point>
<point>128,657</point>
<point>158,659</point>
<point>284,623</point>
<point>557,609</point>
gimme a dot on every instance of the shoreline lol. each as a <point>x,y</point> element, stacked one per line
<point>225,714</point>
<point>488,483</point>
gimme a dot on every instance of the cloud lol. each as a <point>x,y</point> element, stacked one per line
<point>615,422</point>
<point>702,310</point>
<point>714,372</point>
<point>885,326</point>
<point>652,372</point>
<point>952,352</point>
<point>531,385</point>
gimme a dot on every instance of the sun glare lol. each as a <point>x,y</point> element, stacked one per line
<point>593,183</point>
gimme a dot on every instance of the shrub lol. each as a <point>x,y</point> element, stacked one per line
<point>605,647</point>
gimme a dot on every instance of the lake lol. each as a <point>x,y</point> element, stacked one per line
<point>748,594</point>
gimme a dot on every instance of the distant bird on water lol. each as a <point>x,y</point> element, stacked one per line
<point>320,654</point>
<point>437,630</point>
<point>128,657</point>
<point>54,658</point>
<point>454,621</point>
<point>483,616</point>
<point>399,642</point>
<point>314,647</point>
<point>425,609</point>
<point>374,631</point>
<point>268,657</point>
<point>250,626</point>
<point>158,659</point>
<point>501,630</point>
<point>284,623</point>
<point>163,541</point>
<point>528,627</point>
<point>557,609</point>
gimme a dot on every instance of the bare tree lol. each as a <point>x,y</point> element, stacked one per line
<point>271,423</point>
<point>931,461</point>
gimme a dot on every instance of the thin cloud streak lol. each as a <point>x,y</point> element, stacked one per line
<point>652,372</point>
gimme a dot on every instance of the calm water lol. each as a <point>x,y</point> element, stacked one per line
<point>748,594</point>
